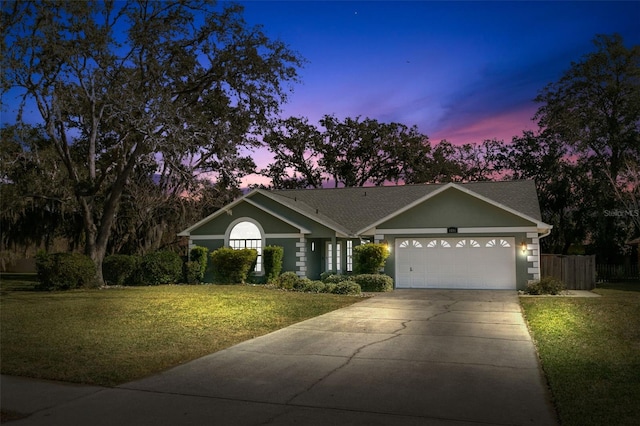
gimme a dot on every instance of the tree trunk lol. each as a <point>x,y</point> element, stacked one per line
<point>98,237</point>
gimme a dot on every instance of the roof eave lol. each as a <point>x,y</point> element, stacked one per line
<point>432,194</point>
<point>302,229</point>
<point>187,232</point>
<point>338,230</point>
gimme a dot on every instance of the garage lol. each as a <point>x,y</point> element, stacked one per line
<point>461,262</point>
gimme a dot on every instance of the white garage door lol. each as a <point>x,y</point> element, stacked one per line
<point>472,263</point>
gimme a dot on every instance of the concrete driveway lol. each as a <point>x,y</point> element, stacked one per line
<point>409,357</point>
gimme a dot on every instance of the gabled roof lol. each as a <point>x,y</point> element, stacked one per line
<point>351,211</point>
<point>230,206</point>
<point>305,209</point>
<point>477,195</point>
<point>358,209</point>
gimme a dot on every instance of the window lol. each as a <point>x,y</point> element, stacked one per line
<point>410,243</point>
<point>472,243</point>
<point>498,243</point>
<point>247,235</point>
<point>330,266</point>
<point>349,256</point>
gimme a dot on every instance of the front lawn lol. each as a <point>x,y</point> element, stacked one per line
<point>590,352</point>
<point>108,337</point>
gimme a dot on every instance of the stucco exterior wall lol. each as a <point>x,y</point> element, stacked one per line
<point>453,208</point>
<point>289,245</point>
<point>220,224</point>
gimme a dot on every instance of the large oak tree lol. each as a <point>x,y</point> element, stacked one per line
<point>594,108</point>
<point>122,85</point>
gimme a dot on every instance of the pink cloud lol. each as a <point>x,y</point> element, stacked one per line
<point>501,127</point>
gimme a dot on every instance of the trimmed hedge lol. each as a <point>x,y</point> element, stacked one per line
<point>200,255</point>
<point>291,281</point>
<point>272,260</point>
<point>309,286</point>
<point>367,282</point>
<point>374,282</point>
<point>546,285</point>
<point>195,268</point>
<point>336,278</point>
<point>64,271</point>
<point>232,266</point>
<point>160,267</point>
<point>347,287</point>
<point>369,258</point>
<point>118,269</point>
<point>191,272</point>
<point>327,274</point>
<point>287,281</point>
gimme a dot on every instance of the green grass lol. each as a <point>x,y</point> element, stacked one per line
<point>108,337</point>
<point>590,353</point>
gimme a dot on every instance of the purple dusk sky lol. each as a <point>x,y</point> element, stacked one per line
<point>461,71</point>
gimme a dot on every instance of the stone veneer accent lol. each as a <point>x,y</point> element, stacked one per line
<point>301,257</point>
<point>533,256</point>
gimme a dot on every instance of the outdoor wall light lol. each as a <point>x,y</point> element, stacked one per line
<point>523,247</point>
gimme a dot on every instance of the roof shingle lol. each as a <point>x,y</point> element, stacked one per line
<point>353,209</point>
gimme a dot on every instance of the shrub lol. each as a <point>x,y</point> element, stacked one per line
<point>327,274</point>
<point>232,266</point>
<point>335,279</point>
<point>198,255</point>
<point>329,288</point>
<point>272,260</point>
<point>374,282</point>
<point>546,285</point>
<point>347,287</point>
<point>287,281</point>
<point>160,267</point>
<point>313,286</point>
<point>291,281</point>
<point>301,284</point>
<point>192,272</point>
<point>64,271</point>
<point>118,269</point>
<point>369,258</point>
<point>137,276</point>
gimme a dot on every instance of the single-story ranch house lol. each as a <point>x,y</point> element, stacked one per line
<point>480,235</point>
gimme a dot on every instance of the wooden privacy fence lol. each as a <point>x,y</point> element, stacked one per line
<point>576,272</point>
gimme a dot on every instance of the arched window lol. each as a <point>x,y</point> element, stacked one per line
<point>247,235</point>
